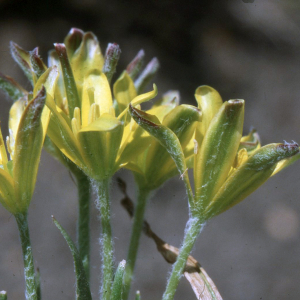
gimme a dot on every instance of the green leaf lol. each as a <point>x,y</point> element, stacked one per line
<point>218,151</point>
<point>28,147</point>
<point>249,176</point>
<point>82,285</point>
<point>11,87</point>
<point>70,84</point>
<point>117,287</point>
<point>168,139</point>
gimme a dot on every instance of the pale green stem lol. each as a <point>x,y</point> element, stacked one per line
<point>137,228</point>
<point>83,223</point>
<point>31,290</point>
<point>103,204</point>
<point>194,227</point>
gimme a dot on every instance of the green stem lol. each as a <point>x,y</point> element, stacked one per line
<point>103,203</point>
<point>137,228</point>
<point>194,227</point>
<point>30,292</point>
<point>83,223</point>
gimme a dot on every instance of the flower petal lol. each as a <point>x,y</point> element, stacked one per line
<point>124,91</point>
<point>28,147</point>
<point>218,151</point>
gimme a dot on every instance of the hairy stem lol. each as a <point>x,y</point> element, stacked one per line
<point>135,238</point>
<point>83,223</point>
<point>31,291</point>
<point>193,228</point>
<point>103,203</point>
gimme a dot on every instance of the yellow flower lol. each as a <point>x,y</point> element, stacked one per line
<point>27,126</point>
<point>86,124</point>
<point>154,165</point>
<point>227,166</point>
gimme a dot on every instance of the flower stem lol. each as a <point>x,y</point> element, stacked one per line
<point>135,238</point>
<point>103,203</point>
<point>193,229</point>
<point>83,225</point>
<point>30,292</point>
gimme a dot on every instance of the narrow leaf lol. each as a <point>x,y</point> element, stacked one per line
<point>82,285</point>
<point>11,87</point>
<point>117,287</point>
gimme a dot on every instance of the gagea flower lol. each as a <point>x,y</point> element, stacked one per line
<point>227,166</point>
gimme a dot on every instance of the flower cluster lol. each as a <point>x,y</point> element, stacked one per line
<point>97,127</point>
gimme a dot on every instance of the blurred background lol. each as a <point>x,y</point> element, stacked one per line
<point>245,49</point>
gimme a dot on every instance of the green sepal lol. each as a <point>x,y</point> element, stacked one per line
<point>124,91</point>
<point>70,84</point>
<point>11,87</point>
<point>249,176</point>
<point>82,285</point>
<point>3,295</point>
<point>147,75</point>
<point>285,163</point>
<point>37,65</point>
<point>117,287</point>
<point>112,56</point>
<point>135,66</point>
<point>218,151</point>
<point>28,147</point>
<point>22,58</point>
<point>168,139</point>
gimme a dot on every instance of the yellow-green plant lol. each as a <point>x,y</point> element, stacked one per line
<point>224,172</point>
<point>95,128</point>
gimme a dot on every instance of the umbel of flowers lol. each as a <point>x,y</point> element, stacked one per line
<point>95,128</point>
